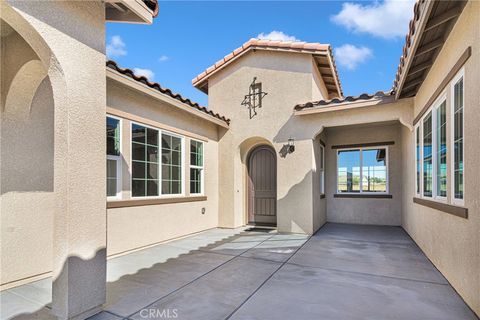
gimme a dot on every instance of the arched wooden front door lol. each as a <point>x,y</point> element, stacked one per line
<point>262,186</point>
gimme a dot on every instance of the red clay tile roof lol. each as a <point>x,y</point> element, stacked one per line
<point>414,26</point>
<point>380,95</point>
<point>113,65</point>
<point>292,46</point>
<point>408,42</point>
<point>152,5</point>
<point>430,33</point>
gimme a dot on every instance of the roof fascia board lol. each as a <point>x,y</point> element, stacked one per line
<point>132,83</point>
<point>416,42</point>
<point>138,8</point>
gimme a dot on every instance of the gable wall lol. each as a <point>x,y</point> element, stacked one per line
<point>287,79</point>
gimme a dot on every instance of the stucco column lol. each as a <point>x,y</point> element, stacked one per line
<point>71,45</point>
<point>79,286</point>
<point>294,189</point>
<point>79,239</point>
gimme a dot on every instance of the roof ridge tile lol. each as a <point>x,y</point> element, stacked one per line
<point>253,43</point>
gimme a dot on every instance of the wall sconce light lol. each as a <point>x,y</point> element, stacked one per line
<point>291,145</point>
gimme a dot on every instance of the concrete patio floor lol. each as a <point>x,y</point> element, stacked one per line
<point>342,272</point>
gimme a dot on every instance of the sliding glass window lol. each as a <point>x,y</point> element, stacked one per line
<point>374,170</point>
<point>145,168</point>
<point>348,173</point>
<point>362,170</point>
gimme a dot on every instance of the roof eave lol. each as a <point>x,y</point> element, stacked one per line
<point>335,74</point>
<point>131,11</point>
<point>343,106</point>
<point>416,41</point>
<point>138,86</point>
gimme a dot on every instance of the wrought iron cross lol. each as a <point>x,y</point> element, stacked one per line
<point>254,97</point>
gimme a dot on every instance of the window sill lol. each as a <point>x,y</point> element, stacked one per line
<point>458,211</point>
<point>364,195</point>
<point>151,202</point>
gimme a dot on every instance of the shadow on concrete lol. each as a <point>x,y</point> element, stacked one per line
<point>78,293</point>
<point>342,272</point>
<point>141,278</point>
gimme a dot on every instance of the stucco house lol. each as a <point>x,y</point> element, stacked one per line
<point>287,149</point>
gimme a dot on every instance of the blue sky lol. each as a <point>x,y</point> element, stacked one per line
<point>188,37</point>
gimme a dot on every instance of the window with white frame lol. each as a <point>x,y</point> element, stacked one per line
<point>362,170</point>
<point>427,156</point>
<point>196,167</point>
<point>113,130</point>
<point>321,169</point>
<point>432,147</point>
<point>171,164</point>
<point>457,137</point>
<point>418,161</point>
<point>145,168</point>
<point>441,149</point>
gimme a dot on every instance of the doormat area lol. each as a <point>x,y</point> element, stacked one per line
<point>260,229</point>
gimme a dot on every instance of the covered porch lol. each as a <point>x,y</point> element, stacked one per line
<point>342,272</point>
<point>360,149</point>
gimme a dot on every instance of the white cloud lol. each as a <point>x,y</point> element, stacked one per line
<point>387,19</point>
<point>116,47</point>
<point>163,58</point>
<point>277,36</point>
<point>147,73</point>
<point>351,56</point>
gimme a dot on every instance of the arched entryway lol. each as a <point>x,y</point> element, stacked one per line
<point>262,186</point>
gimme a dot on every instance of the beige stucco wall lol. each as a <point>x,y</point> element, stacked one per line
<point>452,243</point>
<point>364,210</point>
<point>288,79</point>
<point>27,198</point>
<point>71,47</point>
<point>130,228</point>
<point>353,125</point>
